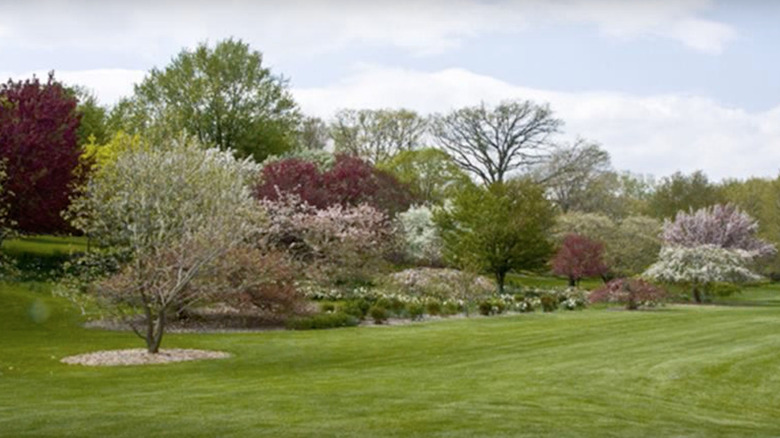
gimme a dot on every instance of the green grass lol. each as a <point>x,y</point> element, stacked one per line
<point>686,370</point>
<point>536,280</point>
<point>44,245</point>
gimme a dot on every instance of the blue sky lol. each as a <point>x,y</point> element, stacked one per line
<point>663,85</point>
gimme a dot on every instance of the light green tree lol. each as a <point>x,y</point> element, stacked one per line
<point>222,95</point>
<point>499,228</point>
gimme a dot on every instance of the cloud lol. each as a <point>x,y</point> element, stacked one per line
<point>649,134</point>
<point>153,29</point>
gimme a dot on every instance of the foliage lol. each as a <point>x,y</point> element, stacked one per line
<point>421,241</point>
<point>93,118</point>
<point>376,135</point>
<point>378,313</point>
<point>337,243</point>
<point>579,257</point>
<point>97,156</point>
<point>350,182</point>
<point>491,142</point>
<point>175,209</point>
<point>723,226</point>
<point>700,266</point>
<point>38,140</point>
<point>497,228</point>
<point>633,292</point>
<point>223,95</point>
<point>680,192</point>
<point>630,246</point>
<point>431,174</point>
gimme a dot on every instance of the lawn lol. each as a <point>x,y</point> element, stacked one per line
<point>681,371</point>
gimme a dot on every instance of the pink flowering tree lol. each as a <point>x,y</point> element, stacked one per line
<point>722,226</point>
<point>579,257</point>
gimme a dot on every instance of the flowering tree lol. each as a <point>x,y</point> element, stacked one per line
<point>723,226</point>
<point>700,266</point>
<point>38,124</point>
<point>349,182</point>
<point>421,240</point>
<point>579,257</point>
<point>175,209</point>
<point>634,292</point>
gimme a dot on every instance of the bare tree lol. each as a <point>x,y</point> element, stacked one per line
<point>490,142</point>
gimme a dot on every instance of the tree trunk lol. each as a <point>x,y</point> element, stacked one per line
<point>154,332</point>
<point>696,295</point>
<point>572,281</point>
<point>500,280</point>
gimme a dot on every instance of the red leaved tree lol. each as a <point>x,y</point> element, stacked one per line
<point>38,124</point>
<point>579,257</point>
<point>350,182</point>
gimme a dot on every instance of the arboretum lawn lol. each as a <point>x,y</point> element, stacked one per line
<point>682,370</point>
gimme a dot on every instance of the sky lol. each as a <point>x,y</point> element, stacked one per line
<point>662,85</point>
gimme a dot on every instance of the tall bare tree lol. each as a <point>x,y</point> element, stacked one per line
<point>491,142</point>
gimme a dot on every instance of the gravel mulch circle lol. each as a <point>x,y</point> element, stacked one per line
<point>139,356</point>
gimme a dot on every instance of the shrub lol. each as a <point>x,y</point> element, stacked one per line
<point>322,321</point>
<point>378,314</point>
<point>437,283</point>
<point>634,292</point>
<point>549,302</point>
<point>421,241</point>
<point>433,307</point>
<point>415,310</point>
<point>328,307</point>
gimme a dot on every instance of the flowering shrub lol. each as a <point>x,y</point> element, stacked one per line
<point>421,241</point>
<point>337,243</point>
<point>441,283</point>
<point>632,292</point>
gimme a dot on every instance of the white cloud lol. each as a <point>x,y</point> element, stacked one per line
<point>308,26</point>
<point>655,134</point>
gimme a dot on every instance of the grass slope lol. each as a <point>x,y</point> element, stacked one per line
<point>682,371</point>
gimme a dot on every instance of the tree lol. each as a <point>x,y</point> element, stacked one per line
<point>491,142</point>
<point>349,182</point>
<point>38,140</point>
<point>497,228</point>
<point>431,174</point>
<point>722,226</point>
<point>679,192</point>
<point>376,135</point>
<point>572,174</point>
<point>700,266</point>
<point>313,134</point>
<point>222,95</point>
<point>93,126</point>
<point>579,257</point>
<point>175,208</point>
<point>5,196</point>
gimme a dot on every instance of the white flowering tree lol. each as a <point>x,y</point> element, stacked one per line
<point>175,209</point>
<point>699,266</point>
<point>421,240</point>
<point>723,226</point>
